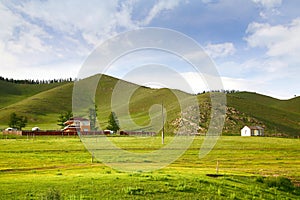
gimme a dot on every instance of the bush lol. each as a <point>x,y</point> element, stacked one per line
<point>260,179</point>
<point>53,194</point>
<point>183,187</point>
<point>281,183</point>
<point>134,191</point>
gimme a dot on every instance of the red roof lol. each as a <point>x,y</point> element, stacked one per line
<point>75,119</point>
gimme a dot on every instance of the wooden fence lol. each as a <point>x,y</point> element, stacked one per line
<point>72,133</point>
<point>137,133</point>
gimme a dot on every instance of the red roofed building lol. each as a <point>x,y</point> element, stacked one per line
<point>75,124</point>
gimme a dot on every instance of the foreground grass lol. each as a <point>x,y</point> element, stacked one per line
<point>60,167</point>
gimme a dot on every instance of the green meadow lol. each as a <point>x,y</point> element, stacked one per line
<point>61,168</point>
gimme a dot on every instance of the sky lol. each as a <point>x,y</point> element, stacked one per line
<point>254,44</point>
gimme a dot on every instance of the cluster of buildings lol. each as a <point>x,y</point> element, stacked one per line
<point>72,127</point>
<point>75,124</point>
<point>83,125</point>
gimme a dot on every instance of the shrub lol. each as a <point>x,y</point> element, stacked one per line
<point>281,183</point>
<point>52,194</point>
<point>183,187</point>
<point>260,179</point>
<point>59,174</point>
<point>134,191</point>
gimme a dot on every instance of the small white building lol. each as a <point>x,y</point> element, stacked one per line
<point>35,129</point>
<point>252,131</point>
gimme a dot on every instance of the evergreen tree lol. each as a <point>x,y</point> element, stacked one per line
<point>63,117</point>
<point>17,122</point>
<point>93,118</point>
<point>113,123</point>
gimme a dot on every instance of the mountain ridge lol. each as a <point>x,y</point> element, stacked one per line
<point>43,103</point>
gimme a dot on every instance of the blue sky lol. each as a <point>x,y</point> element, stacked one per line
<point>254,44</point>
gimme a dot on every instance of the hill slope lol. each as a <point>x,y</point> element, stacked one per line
<point>279,116</point>
<point>11,93</point>
<point>43,103</point>
<point>40,103</point>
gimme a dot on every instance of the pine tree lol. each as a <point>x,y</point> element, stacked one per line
<point>113,123</point>
<point>63,117</point>
<point>93,117</point>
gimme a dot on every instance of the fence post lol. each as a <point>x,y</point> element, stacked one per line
<point>92,157</point>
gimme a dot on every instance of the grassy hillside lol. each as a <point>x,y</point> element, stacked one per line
<point>11,93</point>
<point>139,104</point>
<point>279,116</point>
<point>43,103</point>
<point>40,103</point>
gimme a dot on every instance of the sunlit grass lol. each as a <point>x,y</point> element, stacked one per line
<point>39,167</point>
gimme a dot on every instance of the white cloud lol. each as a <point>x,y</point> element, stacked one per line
<point>191,82</point>
<point>279,40</point>
<point>124,17</point>
<point>194,82</point>
<point>207,1</point>
<point>220,50</point>
<point>42,36</point>
<point>72,16</point>
<point>44,32</point>
<point>268,3</point>
<point>258,85</point>
<point>158,7</point>
<point>47,71</point>
<point>269,7</point>
<point>282,44</point>
<point>6,59</point>
<point>8,21</point>
<point>274,70</point>
<point>241,84</point>
<point>39,35</point>
<point>264,75</point>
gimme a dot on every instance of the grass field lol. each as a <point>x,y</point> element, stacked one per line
<point>61,168</point>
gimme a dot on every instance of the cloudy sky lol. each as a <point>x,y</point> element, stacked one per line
<point>254,44</point>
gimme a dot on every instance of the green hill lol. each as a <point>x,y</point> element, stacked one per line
<point>42,104</point>
<point>11,93</point>
<point>278,116</point>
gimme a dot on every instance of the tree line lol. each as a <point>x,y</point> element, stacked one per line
<point>37,81</point>
<point>219,91</point>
